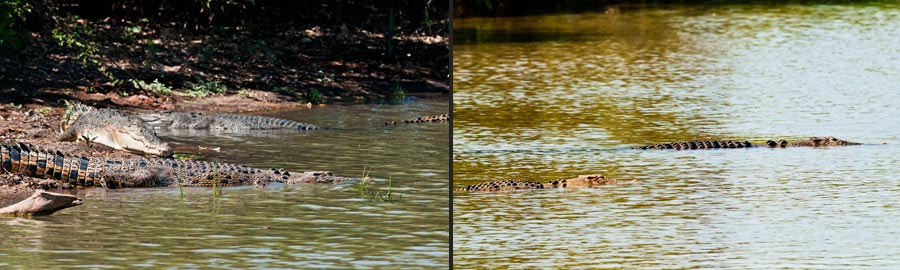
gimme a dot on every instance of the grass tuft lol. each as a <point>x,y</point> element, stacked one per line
<point>398,95</point>
<point>315,97</point>
<point>389,195</point>
<point>384,196</point>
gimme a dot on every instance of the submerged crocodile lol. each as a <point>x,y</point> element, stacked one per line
<point>423,119</point>
<point>690,145</point>
<point>112,128</point>
<point>591,180</point>
<point>143,172</point>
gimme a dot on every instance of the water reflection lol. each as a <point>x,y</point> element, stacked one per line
<point>557,106</point>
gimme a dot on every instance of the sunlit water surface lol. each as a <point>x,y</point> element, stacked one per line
<point>287,227</point>
<point>557,96</point>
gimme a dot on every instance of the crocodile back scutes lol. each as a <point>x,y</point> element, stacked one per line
<point>423,119</point>
<point>501,186</point>
<point>690,145</point>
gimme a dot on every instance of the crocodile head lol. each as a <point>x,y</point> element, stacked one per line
<point>590,180</point>
<point>119,132</point>
<point>311,177</point>
<point>830,141</point>
<point>157,119</point>
<point>812,141</point>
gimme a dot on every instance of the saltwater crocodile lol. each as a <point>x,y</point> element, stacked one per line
<point>195,120</point>
<point>591,180</point>
<point>136,133</point>
<point>111,128</point>
<point>689,145</point>
<point>423,119</point>
<point>143,172</point>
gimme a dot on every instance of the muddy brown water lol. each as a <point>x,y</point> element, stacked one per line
<point>287,227</point>
<point>544,97</point>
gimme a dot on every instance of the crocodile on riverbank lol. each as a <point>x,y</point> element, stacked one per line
<point>423,119</point>
<point>111,128</point>
<point>582,181</point>
<point>143,172</point>
<point>136,133</point>
<point>690,145</point>
<point>195,120</point>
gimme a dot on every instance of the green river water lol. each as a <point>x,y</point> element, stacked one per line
<point>545,97</point>
<point>279,227</point>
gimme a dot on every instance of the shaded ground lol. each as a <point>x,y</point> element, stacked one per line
<point>272,52</point>
<point>295,65</point>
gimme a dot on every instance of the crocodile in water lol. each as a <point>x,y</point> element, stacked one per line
<point>689,145</point>
<point>195,120</point>
<point>591,180</point>
<point>423,119</point>
<point>143,172</point>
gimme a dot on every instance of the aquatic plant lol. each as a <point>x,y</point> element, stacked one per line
<point>216,189</point>
<point>389,195</point>
<point>180,181</point>
<point>384,196</point>
<point>362,186</point>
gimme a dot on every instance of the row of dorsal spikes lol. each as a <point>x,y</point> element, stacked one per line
<point>32,161</point>
<point>422,119</point>
<point>28,160</point>
<point>697,145</point>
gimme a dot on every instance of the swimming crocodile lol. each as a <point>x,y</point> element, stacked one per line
<point>423,119</point>
<point>195,120</point>
<point>111,128</point>
<point>591,180</point>
<point>144,172</point>
<point>690,145</point>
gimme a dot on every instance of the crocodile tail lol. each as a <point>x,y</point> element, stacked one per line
<point>27,160</point>
<point>253,122</point>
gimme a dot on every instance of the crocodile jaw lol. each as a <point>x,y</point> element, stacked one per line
<point>122,139</point>
<point>134,144</point>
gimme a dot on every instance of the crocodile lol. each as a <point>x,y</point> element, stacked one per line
<point>136,132</point>
<point>716,144</point>
<point>111,128</point>
<point>219,121</point>
<point>582,181</point>
<point>28,160</point>
<point>423,119</point>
